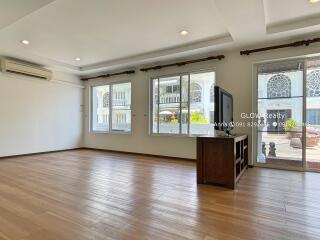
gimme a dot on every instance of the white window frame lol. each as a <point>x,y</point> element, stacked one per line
<point>110,84</point>
<point>180,74</point>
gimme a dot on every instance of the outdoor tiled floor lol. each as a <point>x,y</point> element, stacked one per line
<point>284,150</point>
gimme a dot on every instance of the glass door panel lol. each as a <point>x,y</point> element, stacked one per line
<point>313,115</point>
<point>280,111</point>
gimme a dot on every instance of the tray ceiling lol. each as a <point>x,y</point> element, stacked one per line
<point>109,34</point>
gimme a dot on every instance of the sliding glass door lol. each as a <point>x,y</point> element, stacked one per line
<point>313,114</point>
<point>288,123</point>
<point>280,109</point>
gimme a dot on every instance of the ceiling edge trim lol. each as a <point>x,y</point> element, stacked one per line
<point>295,24</point>
<point>161,53</point>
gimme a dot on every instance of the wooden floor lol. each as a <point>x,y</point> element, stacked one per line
<point>84,194</point>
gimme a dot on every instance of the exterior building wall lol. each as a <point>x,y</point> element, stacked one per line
<point>295,104</point>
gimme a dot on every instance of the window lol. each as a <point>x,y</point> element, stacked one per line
<point>279,86</point>
<point>313,117</point>
<point>173,89</point>
<point>121,107</point>
<point>106,100</point>
<point>195,93</point>
<point>111,108</point>
<point>279,116</point>
<point>313,84</point>
<point>181,104</point>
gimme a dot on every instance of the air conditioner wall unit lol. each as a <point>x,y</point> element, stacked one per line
<point>13,66</point>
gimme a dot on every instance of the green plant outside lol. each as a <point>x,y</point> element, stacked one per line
<point>198,118</point>
<point>174,121</point>
<point>290,124</point>
<point>195,118</point>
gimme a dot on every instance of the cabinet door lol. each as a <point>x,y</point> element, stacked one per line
<point>215,157</point>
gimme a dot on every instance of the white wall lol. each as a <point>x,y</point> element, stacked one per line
<point>235,74</point>
<point>39,115</point>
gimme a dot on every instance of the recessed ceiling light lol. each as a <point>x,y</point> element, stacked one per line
<point>314,1</point>
<point>77,59</point>
<point>25,42</point>
<point>184,33</point>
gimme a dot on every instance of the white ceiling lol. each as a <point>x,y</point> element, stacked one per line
<point>108,34</point>
<point>11,11</point>
<point>289,15</point>
<point>288,10</point>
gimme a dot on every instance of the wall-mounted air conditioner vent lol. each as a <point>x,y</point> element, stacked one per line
<point>12,66</point>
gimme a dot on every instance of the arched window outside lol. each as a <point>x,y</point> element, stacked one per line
<point>279,86</point>
<point>195,93</point>
<point>313,84</point>
<point>106,100</point>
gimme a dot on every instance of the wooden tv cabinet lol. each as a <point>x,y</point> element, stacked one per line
<point>221,160</point>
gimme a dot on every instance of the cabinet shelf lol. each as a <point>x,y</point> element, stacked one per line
<point>238,160</point>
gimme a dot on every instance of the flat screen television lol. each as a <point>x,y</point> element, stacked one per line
<point>223,114</point>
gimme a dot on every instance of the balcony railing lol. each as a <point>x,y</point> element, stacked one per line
<point>170,98</point>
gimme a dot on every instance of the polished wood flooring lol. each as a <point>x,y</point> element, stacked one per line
<point>85,194</point>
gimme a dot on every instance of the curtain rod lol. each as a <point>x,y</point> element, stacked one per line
<point>179,64</point>
<point>294,44</point>
<point>109,75</point>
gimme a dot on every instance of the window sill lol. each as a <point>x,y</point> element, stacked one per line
<point>111,132</point>
<point>175,135</point>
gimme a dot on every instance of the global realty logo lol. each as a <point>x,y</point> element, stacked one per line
<point>275,119</point>
<point>277,115</point>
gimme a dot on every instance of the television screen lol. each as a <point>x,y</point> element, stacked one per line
<point>223,103</point>
<point>227,108</point>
